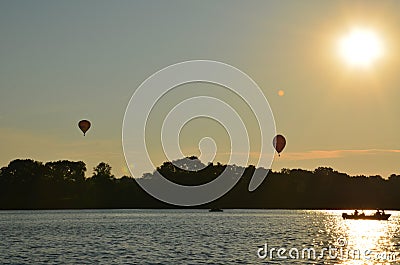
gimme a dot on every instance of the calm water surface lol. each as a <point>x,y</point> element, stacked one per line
<point>193,237</point>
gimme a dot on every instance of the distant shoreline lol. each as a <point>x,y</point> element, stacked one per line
<point>200,209</point>
<point>61,185</point>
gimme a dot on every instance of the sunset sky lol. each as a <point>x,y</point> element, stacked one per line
<point>63,61</point>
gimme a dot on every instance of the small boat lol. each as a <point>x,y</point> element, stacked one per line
<point>362,216</point>
<point>216,210</point>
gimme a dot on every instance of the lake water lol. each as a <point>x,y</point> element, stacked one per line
<point>195,237</point>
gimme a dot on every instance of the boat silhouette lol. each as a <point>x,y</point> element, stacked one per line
<point>356,216</point>
<point>216,210</point>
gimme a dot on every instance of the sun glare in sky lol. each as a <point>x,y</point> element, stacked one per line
<point>361,47</point>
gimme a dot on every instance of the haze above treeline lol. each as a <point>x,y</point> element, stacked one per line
<point>29,184</point>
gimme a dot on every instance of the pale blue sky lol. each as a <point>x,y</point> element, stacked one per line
<point>61,61</point>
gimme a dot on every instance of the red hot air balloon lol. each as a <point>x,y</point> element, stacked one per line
<point>279,143</point>
<point>84,125</point>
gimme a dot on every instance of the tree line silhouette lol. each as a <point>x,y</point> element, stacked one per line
<point>29,184</point>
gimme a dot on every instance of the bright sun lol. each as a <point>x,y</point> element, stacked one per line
<point>360,47</point>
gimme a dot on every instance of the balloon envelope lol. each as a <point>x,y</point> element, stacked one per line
<point>84,125</point>
<point>279,143</point>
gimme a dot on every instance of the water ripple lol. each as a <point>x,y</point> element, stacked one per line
<point>182,236</point>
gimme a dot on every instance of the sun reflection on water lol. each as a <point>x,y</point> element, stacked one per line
<point>368,241</point>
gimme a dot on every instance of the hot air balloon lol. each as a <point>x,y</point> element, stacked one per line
<point>84,125</point>
<point>279,143</point>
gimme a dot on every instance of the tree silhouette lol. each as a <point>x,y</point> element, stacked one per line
<point>29,184</point>
<point>102,172</point>
<point>66,171</point>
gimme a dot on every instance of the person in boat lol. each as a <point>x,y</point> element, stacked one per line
<point>378,212</point>
<point>383,212</point>
<point>355,212</point>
